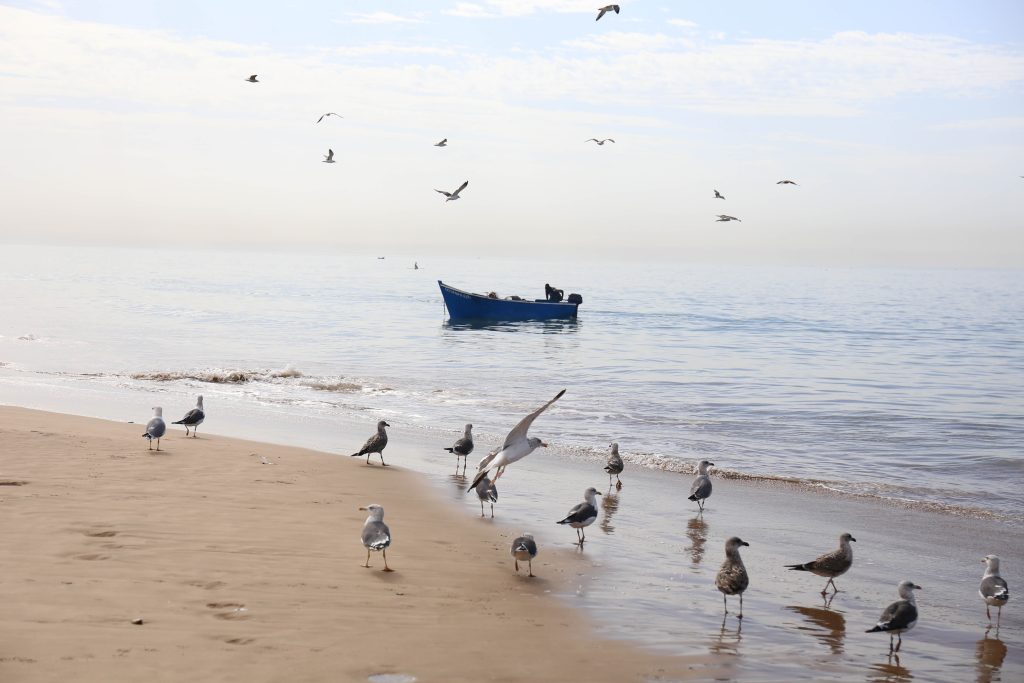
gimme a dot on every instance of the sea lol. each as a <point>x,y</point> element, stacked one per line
<point>882,401</point>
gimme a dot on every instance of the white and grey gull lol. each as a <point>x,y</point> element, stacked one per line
<point>193,418</point>
<point>487,492</point>
<point>376,536</point>
<point>329,157</point>
<point>830,565</point>
<point>583,514</point>
<point>463,447</point>
<point>607,8</point>
<point>718,195</point>
<point>900,616</point>
<point>723,218</point>
<point>155,428</point>
<point>700,489</point>
<point>600,142</point>
<point>375,444</point>
<point>252,79</point>
<point>330,113</point>
<point>443,143</point>
<point>993,589</point>
<point>452,196</point>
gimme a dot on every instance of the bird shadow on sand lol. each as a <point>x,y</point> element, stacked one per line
<point>729,639</point>
<point>610,506</point>
<point>697,532</point>
<point>990,653</point>
<point>828,626</point>
<point>891,671</point>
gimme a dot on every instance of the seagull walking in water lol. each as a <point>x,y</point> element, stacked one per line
<point>700,489</point>
<point>155,428</point>
<point>487,492</point>
<point>600,142</point>
<point>718,195</point>
<point>193,418</point>
<point>443,143</point>
<point>252,79</point>
<point>583,514</point>
<point>329,157</point>
<point>993,588</point>
<point>732,577</point>
<point>375,444</point>
<point>452,196</point>
<point>516,447</point>
<point>831,565</point>
<point>607,8</point>
<point>376,535</point>
<point>524,549</point>
<point>330,113</point>
<point>463,447</point>
<point>614,466</point>
<point>722,218</point>
<point>785,182</point>
<point>900,616</point>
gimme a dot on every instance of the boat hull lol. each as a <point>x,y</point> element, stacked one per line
<point>468,306</point>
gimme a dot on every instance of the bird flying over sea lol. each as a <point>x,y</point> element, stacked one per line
<point>252,79</point>
<point>443,143</point>
<point>329,157</point>
<point>600,142</point>
<point>718,195</point>
<point>453,195</point>
<point>785,182</point>
<point>607,8</point>
<point>722,218</point>
<point>330,113</point>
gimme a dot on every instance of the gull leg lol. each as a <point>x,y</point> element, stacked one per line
<point>584,536</point>
<point>386,567</point>
<point>382,463</point>
<point>481,508</point>
<point>741,606</point>
<point>725,604</point>
<point>999,617</point>
<point>151,448</point>
<point>195,431</point>
<point>700,504</point>
<point>186,430</point>
<point>531,569</point>
<point>987,612</point>
<point>158,444</point>
<point>367,565</point>
<point>899,642</point>
<point>890,644</point>
<point>367,458</point>
<point>492,510</point>
<point>517,566</point>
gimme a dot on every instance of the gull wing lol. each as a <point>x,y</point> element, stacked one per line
<point>518,432</point>
<point>376,535</point>
<point>609,140</point>
<point>321,118</point>
<point>461,188</point>
<point>446,194</point>
<point>600,14</point>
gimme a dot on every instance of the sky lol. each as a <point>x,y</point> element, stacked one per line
<point>131,123</point>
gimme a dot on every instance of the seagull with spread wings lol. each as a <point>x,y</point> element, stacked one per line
<point>443,143</point>
<point>722,218</point>
<point>329,157</point>
<point>607,8</point>
<point>452,196</point>
<point>252,79</point>
<point>330,113</point>
<point>600,142</point>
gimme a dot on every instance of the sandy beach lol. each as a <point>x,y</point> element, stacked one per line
<point>248,571</point>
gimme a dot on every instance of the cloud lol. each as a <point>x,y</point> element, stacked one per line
<point>384,18</point>
<point>617,40</point>
<point>519,8</point>
<point>471,11</point>
<point>684,23</point>
<point>991,124</point>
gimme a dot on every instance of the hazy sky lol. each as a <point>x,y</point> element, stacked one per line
<point>130,122</point>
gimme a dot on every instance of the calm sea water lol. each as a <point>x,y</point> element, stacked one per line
<point>896,383</point>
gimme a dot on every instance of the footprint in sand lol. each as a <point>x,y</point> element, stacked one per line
<point>100,534</point>
<point>92,556</point>
<point>235,610</point>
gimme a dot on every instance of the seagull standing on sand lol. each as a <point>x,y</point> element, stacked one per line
<point>830,565</point>
<point>463,447</point>
<point>718,195</point>
<point>524,549</point>
<point>452,196</point>
<point>330,113</point>
<point>516,447</point>
<point>375,444</point>
<point>193,418</point>
<point>900,616</point>
<point>607,8</point>
<point>785,182</point>
<point>155,428</point>
<point>486,491</point>
<point>600,142</point>
<point>583,514</point>
<point>329,157</point>
<point>376,535</point>
<point>722,218</point>
<point>700,489</point>
<point>732,578</point>
<point>252,79</point>
<point>993,589</point>
<point>443,143</point>
<point>614,466</point>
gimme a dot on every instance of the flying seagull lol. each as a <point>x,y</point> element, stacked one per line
<point>700,489</point>
<point>900,616</point>
<point>193,418</point>
<point>329,157</point>
<point>463,447</point>
<point>376,534</point>
<point>600,142</point>
<point>330,113</point>
<point>606,8</point>
<point>583,514</point>
<point>718,195</point>
<point>486,491</point>
<point>832,564</point>
<point>614,466</point>
<point>252,79</point>
<point>732,578</point>
<point>375,444</point>
<point>443,143</point>
<point>993,589</point>
<point>516,446</point>
<point>155,428</point>
<point>453,195</point>
<point>785,182</point>
<point>524,548</point>
<point>722,218</point>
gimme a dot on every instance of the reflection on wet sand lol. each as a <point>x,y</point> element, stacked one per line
<point>728,641</point>
<point>890,672</point>
<point>826,625</point>
<point>610,505</point>
<point>461,482</point>
<point>697,532</point>
<point>990,653</point>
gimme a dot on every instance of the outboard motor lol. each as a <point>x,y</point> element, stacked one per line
<point>575,299</point>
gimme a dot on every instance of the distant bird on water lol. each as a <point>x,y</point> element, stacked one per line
<point>700,489</point>
<point>607,8</point>
<point>732,578</point>
<point>487,492</point>
<point>516,446</point>
<point>524,549</point>
<point>155,428</point>
<point>443,143</point>
<point>329,157</point>
<point>785,182</point>
<point>900,616</point>
<point>830,565</point>
<point>463,447</point>
<point>252,79</point>
<point>993,589</point>
<point>718,195</point>
<point>330,113</point>
<point>600,142</point>
<point>583,514</point>
<point>722,218</point>
<point>614,466</point>
<point>193,418</point>
<point>375,444</point>
<point>452,196</point>
<point>376,535</point>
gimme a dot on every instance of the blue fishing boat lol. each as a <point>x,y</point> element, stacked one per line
<point>468,306</point>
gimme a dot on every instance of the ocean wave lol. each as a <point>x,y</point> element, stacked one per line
<point>217,375</point>
<point>28,337</point>
<point>338,386</point>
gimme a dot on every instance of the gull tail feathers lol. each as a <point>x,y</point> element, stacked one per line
<point>797,567</point>
<point>476,480</point>
<point>450,450</point>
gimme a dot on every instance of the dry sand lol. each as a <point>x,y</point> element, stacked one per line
<point>252,572</point>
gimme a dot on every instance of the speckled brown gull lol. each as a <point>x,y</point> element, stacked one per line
<point>375,444</point>
<point>615,465</point>
<point>830,565</point>
<point>732,577</point>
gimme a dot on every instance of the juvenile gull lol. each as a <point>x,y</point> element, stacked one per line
<point>614,466</point>
<point>193,418</point>
<point>900,616</point>
<point>376,535</point>
<point>330,113</point>
<point>252,79</point>
<point>993,588</point>
<point>607,8</point>
<point>463,447</point>
<point>583,514</point>
<point>375,444</point>
<point>443,143</point>
<point>830,565</point>
<point>155,428</point>
<point>718,195</point>
<point>732,578</point>
<point>516,446</point>
<point>329,157</point>
<point>524,549</point>
<point>600,142</point>
<point>452,196</point>
<point>487,491</point>
<point>700,489</point>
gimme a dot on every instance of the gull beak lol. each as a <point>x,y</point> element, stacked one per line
<point>746,544</point>
<point>916,587</point>
<point>364,509</point>
<point>543,444</point>
<point>853,539</point>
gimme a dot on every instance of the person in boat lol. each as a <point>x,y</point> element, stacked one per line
<point>553,294</point>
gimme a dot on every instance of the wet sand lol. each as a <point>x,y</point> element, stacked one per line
<point>244,571</point>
